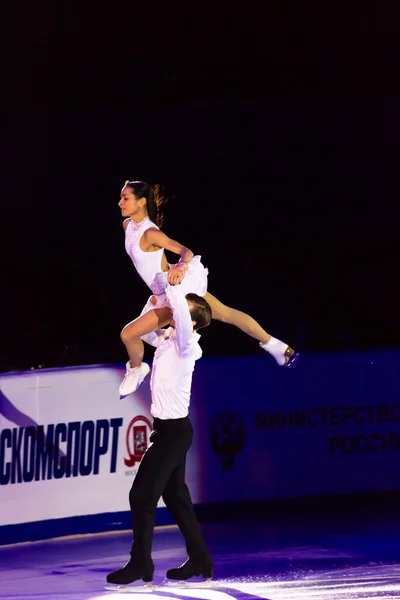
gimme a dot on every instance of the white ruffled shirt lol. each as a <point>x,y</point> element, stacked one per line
<point>177,350</point>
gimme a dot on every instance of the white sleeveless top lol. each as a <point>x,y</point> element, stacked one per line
<point>147,263</point>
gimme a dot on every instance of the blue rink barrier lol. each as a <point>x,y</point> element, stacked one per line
<point>70,448</point>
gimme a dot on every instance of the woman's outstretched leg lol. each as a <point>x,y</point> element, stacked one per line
<point>282,353</point>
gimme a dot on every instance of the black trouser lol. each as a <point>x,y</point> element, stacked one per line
<point>162,473</point>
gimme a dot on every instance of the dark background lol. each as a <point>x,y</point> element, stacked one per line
<point>275,135</point>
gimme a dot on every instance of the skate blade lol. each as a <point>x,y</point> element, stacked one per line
<point>292,357</point>
<point>208,583</point>
<point>132,589</point>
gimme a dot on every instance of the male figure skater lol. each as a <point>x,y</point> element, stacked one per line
<point>162,469</point>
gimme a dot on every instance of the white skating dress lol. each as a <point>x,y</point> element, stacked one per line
<point>148,265</point>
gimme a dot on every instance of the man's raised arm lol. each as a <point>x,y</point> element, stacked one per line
<point>182,317</point>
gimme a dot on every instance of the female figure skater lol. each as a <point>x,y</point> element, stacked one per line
<point>145,243</point>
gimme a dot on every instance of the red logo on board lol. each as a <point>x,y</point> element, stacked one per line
<point>137,440</point>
